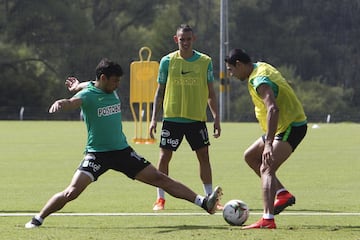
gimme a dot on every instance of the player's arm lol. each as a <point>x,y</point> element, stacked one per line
<point>65,105</point>
<point>158,101</point>
<point>157,106</point>
<point>268,96</point>
<point>212,102</point>
<point>74,85</point>
<point>159,94</point>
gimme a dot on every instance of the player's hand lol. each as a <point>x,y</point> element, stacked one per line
<point>152,129</point>
<point>72,83</point>
<point>217,129</point>
<point>55,107</point>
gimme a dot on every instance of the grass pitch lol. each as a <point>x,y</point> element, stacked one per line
<point>39,159</point>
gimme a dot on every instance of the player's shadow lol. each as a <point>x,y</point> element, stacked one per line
<point>161,229</point>
<point>176,228</point>
<point>258,210</point>
<point>17,211</point>
<point>328,227</point>
<point>312,211</point>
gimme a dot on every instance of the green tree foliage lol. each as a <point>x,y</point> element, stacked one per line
<point>313,42</point>
<point>318,37</point>
<point>319,99</point>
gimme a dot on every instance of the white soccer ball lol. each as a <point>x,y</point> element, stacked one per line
<point>236,212</point>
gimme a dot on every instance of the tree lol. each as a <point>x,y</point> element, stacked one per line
<point>43,42</point>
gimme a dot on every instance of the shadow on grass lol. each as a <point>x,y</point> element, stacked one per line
<point>160,228</point>
<point>175,228</point>
<point>17,211</point>
<point>185,210</point>
<point>312,210</point>
<point>301,210</point>
<point>163,229</point>
<point>323,227</point>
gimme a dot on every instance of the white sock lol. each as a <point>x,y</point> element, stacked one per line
<point>40,219</point>
<point>280,190</point>
<point>199,200</point>
<point>268,216</point>
<point>208,189</point>
<point>160,193</point>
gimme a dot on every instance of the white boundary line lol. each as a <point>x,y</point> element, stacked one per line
<point>181,214</point>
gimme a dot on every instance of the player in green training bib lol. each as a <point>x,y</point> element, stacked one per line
<point>107,147</point>
<point>185,89</point>
<point>282,118</point>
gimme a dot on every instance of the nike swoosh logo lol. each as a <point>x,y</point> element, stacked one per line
<point>101,98</point>
<point>185,72</point>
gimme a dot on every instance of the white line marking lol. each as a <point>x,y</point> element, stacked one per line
<point>181,214</point>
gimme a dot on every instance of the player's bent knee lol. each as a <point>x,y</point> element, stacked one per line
<point>248,156</point>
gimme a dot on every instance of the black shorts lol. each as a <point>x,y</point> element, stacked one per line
<point>126,161</point>
<point>172,134</point>
<point>292,135</point>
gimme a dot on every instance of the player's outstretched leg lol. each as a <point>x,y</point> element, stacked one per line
<point>78,184</point>
<point>211,202</point>
<point>33,223</point>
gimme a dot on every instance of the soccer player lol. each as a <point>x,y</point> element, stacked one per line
<point>282,118</point>
<point>185,89</point>
<point>107,147</point>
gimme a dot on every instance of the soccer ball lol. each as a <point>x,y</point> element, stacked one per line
<point>236,212</point>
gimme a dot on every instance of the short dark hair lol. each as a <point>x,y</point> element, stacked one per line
<point>237,55</point>
<point>184,28</point>
<point>108,68</point>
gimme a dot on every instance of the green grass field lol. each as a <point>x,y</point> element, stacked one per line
<point>39,158</point>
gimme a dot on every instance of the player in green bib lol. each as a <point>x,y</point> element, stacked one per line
<point>185,89</point>
<point>107,147</point>
<point>281,117</point>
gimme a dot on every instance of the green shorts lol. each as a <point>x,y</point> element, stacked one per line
<point>293,135</point>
